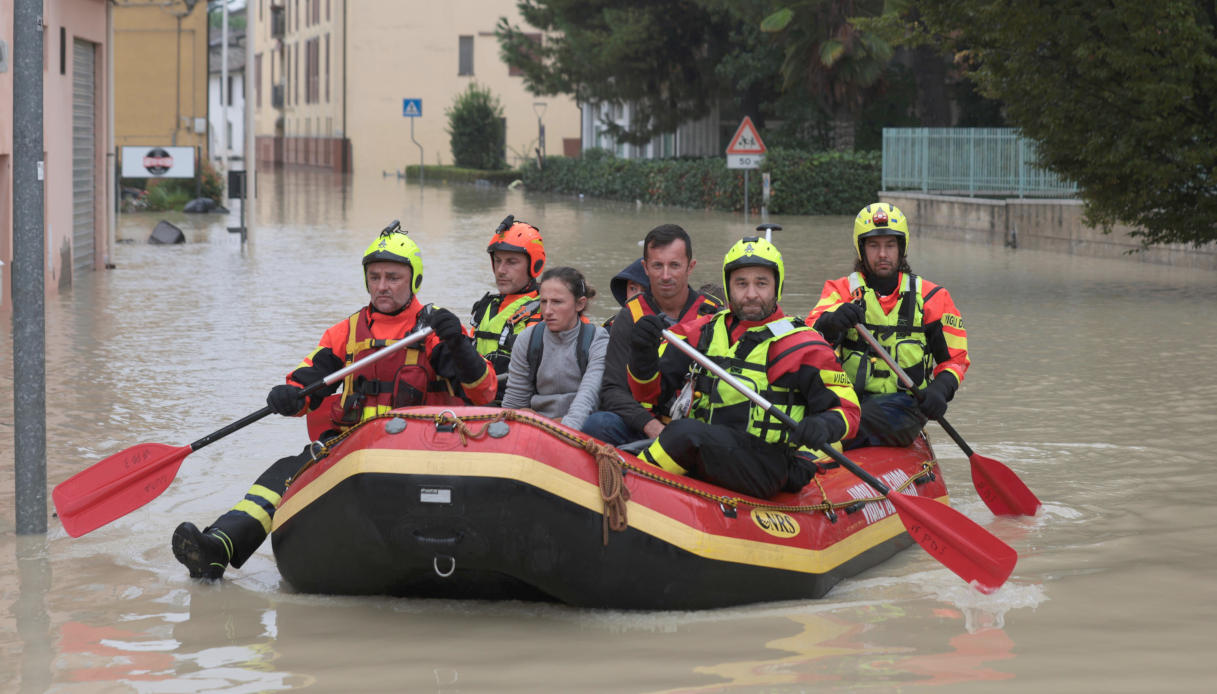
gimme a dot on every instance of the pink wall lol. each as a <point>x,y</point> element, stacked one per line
<point>85,20</point>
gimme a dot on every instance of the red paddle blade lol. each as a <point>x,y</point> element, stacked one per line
<point>116,486</point>
<point>973,553</point>
<point>1002,490</point>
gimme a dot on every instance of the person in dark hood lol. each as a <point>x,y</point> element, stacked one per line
<point>625,285</point>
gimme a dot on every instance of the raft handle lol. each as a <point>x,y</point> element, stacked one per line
<point>447,540</point>
<point>451,565</point>
<point>728,511</point>
<point>854,508</point>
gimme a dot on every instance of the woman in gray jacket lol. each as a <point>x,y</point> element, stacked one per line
<point>556,365</point>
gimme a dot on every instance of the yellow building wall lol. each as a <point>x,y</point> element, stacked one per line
<point>160,73</point>
<point>411,49</point>
<point>391,50</point>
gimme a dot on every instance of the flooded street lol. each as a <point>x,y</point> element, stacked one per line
<point>1090,378</point>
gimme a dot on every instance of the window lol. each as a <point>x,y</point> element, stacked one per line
<point>314,71</point>
<point>296,72</point>
<point>536,39</point>
<point>287,75</point>
<point>327,67</point>
<point>229,101</point>
<point>466,56</point>
<point>258,80</point>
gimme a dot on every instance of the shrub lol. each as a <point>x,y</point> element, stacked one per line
<point>803,183</point>
<point>476,130</point>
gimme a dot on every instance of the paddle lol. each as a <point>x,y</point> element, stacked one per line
<point>973,553</point>
<point>998,486</point>
<point>121,483</point>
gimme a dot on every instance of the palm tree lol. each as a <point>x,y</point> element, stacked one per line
<point>835,61</point>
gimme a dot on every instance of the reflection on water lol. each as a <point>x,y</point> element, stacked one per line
<point>1076,385</point>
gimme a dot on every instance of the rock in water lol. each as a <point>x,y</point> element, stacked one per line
<point>166,233</point>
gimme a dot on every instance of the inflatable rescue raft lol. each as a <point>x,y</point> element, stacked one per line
<point>486,503</point>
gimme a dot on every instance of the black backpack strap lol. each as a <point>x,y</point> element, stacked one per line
<point>536,347</point>
<point>587,332</point>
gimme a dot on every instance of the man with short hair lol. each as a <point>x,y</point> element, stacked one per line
<point>914,319</point>
<point>667,257</point>
<point>726,439</point>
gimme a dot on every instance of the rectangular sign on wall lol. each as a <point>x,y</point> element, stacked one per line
<point>158,162</point>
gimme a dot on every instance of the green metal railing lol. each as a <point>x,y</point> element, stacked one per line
<point>968,161</point>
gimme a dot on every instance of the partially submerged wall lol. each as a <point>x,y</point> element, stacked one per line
<point>1038,224</point>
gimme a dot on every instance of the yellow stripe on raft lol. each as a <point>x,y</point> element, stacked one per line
<point>523,469</point>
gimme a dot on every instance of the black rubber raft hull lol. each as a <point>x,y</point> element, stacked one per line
<point>517,520</point>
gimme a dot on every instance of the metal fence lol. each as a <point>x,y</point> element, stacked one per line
<point>967,161</point>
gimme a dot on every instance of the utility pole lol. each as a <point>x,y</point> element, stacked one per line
<point>28,275</point>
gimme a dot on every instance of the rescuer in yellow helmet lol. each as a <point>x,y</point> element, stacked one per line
<point>392,274</point>
<point>723,437</point>
<point>914,319</point>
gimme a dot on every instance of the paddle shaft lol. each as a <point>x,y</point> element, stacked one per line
<point>908,382</point>
<point>764,404</point>
<point>333,378</point>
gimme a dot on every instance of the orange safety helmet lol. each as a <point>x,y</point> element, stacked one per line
<point>519,237</point>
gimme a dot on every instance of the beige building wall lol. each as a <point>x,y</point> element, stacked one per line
<point>65,23</point>
<point>160,73</point>
<point>381,52</point>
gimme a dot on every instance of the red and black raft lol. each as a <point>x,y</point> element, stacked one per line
<point>485,503</point>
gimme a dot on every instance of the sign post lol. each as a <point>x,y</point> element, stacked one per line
<point>746,152</point>
<point>413,108</point>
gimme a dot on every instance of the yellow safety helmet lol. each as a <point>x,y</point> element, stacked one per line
<point>881,219</point>
<point>394,246</point>
<point>753,251</point>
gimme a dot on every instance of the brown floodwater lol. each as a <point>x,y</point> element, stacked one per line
<point>1091,379</point>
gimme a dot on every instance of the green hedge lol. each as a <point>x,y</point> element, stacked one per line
<point>455,174</point>
<point>802,183</point>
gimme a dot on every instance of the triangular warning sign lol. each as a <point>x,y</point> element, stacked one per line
<point>746,139</point>
<point>412,109</point>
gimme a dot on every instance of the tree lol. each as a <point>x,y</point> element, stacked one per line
<point>659,56</point>
<point>1120,96</point>
<point>475,129</point>
<point>834,59</point>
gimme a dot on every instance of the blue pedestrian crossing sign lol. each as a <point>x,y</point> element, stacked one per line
<point>412,108</point>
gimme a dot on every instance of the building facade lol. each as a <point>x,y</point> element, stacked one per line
<point>160,73</point>
<point>697,138</point>
<point>76,132</point>
<point>226,95</point>
<point>331,80</point>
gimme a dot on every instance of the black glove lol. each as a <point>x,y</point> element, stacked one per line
<point>812,432</point>
<point>933,400</point>
<point>834,324</point>
<point>644,346</point>
<point>446,325</point>
<point>286,400</point>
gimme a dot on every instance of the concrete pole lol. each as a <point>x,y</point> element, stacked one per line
<point>224,143</point>
<point>28,276</point>
<point>250,153</point>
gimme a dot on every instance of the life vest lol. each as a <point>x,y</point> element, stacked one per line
<point>402,379</point>
<point>700,306</point>
<point>536,348</point>
<point>901,332</point>
<point>496,326</point>
<point>717,402</point>
<point>640,306</point>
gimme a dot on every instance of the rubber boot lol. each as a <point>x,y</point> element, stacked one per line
<point>205,553</point>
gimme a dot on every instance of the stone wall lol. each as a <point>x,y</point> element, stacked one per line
<point>1037,224</point>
